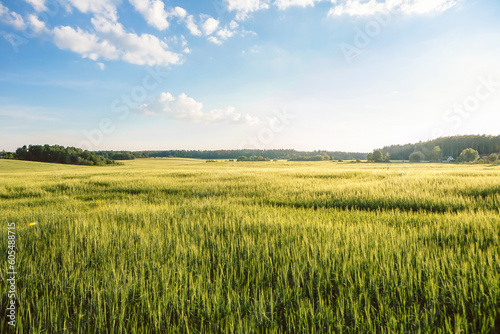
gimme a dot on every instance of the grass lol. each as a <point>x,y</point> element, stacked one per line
<point>182,246</point>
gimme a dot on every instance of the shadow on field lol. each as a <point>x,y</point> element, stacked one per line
<point>339,203</point>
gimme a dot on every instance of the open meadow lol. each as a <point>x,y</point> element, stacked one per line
<point>185,246</point>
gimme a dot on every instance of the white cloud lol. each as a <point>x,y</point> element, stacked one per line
<point>179,12</point>
<point>233,24</point>
<point>183,41</point>
<point>115,43</point>
<point>11,18</point>
<point>210,25</point>
<point>284,4</point>
<point>357,8</point>
<point>105,26</point>
<point>372,7</point>
<point>144,49</point>
<point>225,33</point>
<point>106,8</point>
<point>38,26</point>
<point>153,12</point>
<point>86,44</point>
<point>186,108</point>
<point>191,25</point>
<point>426,6</point>
<point>112,42</point>
<point>214,40</point>
<point>38,5</point>
<point>244,7</point>
<point>101,66</point>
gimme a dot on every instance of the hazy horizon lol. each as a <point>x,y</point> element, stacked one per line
<point>347,75</point>
<point>229,149</point>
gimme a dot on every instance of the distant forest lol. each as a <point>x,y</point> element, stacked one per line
<point>234,154</point>
<point>450,146</point>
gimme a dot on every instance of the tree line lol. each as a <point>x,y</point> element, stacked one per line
<point>61,154</point>
<point>432,150</point>
<point>70,155</point>
<point>284,154</point>
<point>448,146</point>
<point>467,155</point>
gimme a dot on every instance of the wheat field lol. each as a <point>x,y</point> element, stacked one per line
<point>185,246</point>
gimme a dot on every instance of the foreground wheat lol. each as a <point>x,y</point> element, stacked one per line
<point>183,246</point>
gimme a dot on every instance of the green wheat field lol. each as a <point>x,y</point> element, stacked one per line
<point>185,246</point>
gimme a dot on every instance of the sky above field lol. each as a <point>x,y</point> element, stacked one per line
<point>348,75</point>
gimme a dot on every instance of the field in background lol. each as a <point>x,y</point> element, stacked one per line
<point>167,246</point>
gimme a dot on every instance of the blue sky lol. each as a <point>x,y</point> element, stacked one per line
<point>350,75</point>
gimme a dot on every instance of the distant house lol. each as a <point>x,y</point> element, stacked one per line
<point>450,159</point>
